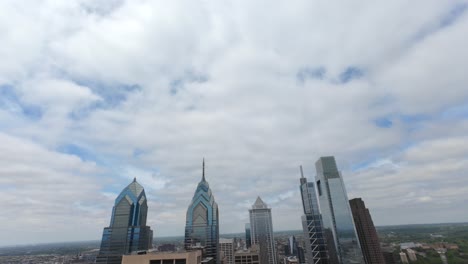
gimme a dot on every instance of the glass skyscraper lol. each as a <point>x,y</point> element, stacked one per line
<point>261,229</point>
<point>316,250</point>
<point>127,231</point>
<point>367,234</point>
<point>202,222</point>
<point>339,231</point>
<point>248,237</point>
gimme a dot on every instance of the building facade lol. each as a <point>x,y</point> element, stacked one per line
<point>127,231</point>
<point>226,247</point>
<point>189,257</point>
<point>339,231</point>
<point>202,222</point>
<point>248,256</point>
<point>316,248</point>
<point>261,229</point>
<point>367,234</point>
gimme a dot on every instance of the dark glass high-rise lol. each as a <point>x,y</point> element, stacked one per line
<point>127,231</point>
<point>339,231</point>
<point>367,234</point>
<point>316,248</point>
<point>248,236</point>
<point>202,222</point>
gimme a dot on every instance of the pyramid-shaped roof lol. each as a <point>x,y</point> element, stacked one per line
<point>259,204</point>
<point>135,188</point>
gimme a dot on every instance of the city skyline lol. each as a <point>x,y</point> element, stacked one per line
<point>96,93</point>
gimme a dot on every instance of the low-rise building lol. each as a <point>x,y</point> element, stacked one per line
<point>411,254</point>
<point>185,257</point>
<point>248,256</point>
<point>404,258</point>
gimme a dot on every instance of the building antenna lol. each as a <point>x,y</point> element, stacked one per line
<point>302,172</point>
<point>203,173</point>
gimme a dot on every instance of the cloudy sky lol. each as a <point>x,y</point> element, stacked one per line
<point>94,93</point>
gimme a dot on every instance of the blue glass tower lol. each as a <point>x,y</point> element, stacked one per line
<point>202,224</point>
<point>248,237</point>
<point>339,230</point>
<point>127,231</point>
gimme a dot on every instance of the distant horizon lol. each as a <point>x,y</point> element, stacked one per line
<point>220,235</point>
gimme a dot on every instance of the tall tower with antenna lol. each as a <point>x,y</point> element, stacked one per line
<point>202,221</point>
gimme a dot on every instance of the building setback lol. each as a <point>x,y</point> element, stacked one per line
<point>367,234</point>
<point>202,224</point>
<point>127,231</point>
<point>261,228</point>
<point>316,249</point>
<point>339,231</point>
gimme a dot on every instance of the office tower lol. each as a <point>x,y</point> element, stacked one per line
<point>301,255</point>
<point>248,256</point>
<point>127,231</point>
<point>316,248</point>
<point>367,235</point>
<point>339,231</point>
<point>202,224</point>
<point>261,229</point>
<point>248,237</point>
<point>292,243</point>
<point>188,257</point>
<point>226,247</point>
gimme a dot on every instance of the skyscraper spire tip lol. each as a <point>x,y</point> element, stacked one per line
<point>302,172</point>
<point>203,173</point>
<point>134,179</point>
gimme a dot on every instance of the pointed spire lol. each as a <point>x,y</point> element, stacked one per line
<point>134,179</point>
<point>302,172</point>
<point>203,174</point>
<point>259,204</point>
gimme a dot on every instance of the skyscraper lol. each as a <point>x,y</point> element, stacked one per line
<point>248,237</point>
<point>292,246</point>
<point>127,231</point>
<point>316,250</point>
<point>366,232</point>
<point>339,231</point>
<point>202,224</point>
<point>261,228</point>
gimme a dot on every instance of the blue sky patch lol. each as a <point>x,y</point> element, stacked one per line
<point>82,153</point>
<point>383,122</point>
<point>10,101</point>
<point>310,73</point>
<point>189,77</point>
<point>350,74</point>
<point>112,95</point>
<point>453,15</point>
